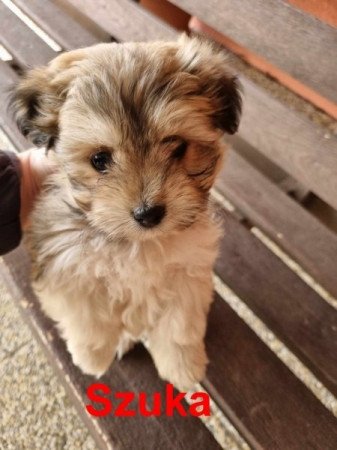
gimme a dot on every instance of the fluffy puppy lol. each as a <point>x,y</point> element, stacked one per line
<point>122,238</point>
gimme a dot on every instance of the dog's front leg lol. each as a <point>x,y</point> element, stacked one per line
<point>89,327</point>
<point>177,341</point>
<point>92,345</point>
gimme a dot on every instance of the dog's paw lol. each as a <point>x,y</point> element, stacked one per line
<point>92,361</point>
<point>184,367</point>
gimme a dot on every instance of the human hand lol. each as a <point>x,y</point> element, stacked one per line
<point>35,166</point>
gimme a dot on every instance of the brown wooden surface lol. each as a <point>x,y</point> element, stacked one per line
<point>125,20</point>
<point>21,41</point>
<point>135,373</point>
<point>287,37</point>
<point>292,227</point>
<point>283,135</point>
<point>304,150</point>
<point>60,26</point>
<point>299,316</point>
<point>7,78</point>
<point>270,407</point>
<point>263,65</point>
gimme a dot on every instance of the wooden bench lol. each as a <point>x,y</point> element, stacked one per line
<point>272,335</point>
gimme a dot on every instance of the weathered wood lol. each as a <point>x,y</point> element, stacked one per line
<point>125,20</point>
<point>25,46</point>
<point>135,373</point>
<point>299,316</point>
<point>303,149</point>
<point>300,147</point>
<point>262,397</point>
<point>60,26</point>
<point>303,236</point>
<point>291,39</point>
<point>270,407</point>
<point>7,79</point>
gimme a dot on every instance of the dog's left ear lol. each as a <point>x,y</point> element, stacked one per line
<point>209,63</point>
<point>40,93</point>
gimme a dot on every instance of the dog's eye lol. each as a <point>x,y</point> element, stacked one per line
<point>179,152</point>
<point>101,160</point>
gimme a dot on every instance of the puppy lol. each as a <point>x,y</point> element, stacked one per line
<point>122,238</point>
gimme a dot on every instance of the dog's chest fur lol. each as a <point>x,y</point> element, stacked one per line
<point>74,263</point>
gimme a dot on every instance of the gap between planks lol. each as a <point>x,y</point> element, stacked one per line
<point>4,54</point>
<point>6,143</point>
<point>260,328</point>
<point>288,358</point>
<point>219,425</point>
<point>32,25</point>
<point>276,250</point>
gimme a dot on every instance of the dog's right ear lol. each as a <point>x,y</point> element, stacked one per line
<point>39,95</point>
<point>208,62</point>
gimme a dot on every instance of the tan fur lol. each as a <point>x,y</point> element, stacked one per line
<point>104,279</point>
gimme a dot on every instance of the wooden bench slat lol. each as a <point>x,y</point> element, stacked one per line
<point>135,373</point>
<point>304,150</point>
<point>25,46</point>
<point>262,397</point>
<point>7,78</point>
<point>286,137</point>
<point>60,26</point>
<point>303,236</point>
<point>125,20</point>
<point>270,407</point>
<point>289,38</point>
<point>289,307</point>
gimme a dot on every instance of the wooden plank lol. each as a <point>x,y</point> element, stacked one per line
<point>289,38</point>
<point>266,67</point>
<point>7,78</point>
<point>25,46</point>
<point>135,373</point>
<point>289,307</point>
<point>60,26</point>
<point>304,237</point>
<point>125,20</point>
<point>270,407</point>
<point>303,149</point>
<point>300,147</point>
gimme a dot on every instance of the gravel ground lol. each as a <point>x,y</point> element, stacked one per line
<point>35,411</point>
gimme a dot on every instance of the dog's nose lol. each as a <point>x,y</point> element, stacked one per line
<point>149,216</point>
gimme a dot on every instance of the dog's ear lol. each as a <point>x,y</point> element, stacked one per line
<point>37,98</point>
<point>203,59</point>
